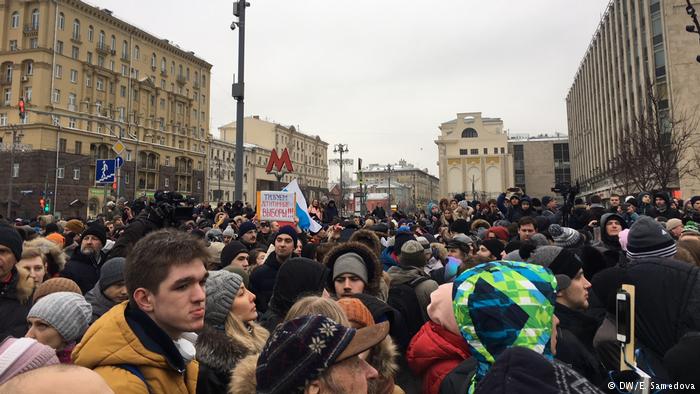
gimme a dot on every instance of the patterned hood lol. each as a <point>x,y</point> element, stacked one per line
<point>502,304</point>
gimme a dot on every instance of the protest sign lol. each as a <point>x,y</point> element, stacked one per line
<point>276,206</point>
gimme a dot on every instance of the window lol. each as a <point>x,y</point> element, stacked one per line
<point>61,21</point>
<point>125,70</point>
<point>172,67</point>
<point>100,60</point>
<point>72,123</point>
<point>62,145</point>
<point>14,20</point>
<point>76,30</point>
<point>469,133</point>
<point>60,172</point>
<point>3,119</point>
<point>113,43</point>
<point>75,53</point>
<point>56,97</point>
<point>13,45</point>
<point>111,65</point>
<point>486,151</point>
<point>125,50</point>
<point>495,151</point>
<point>101,39</point>
<point>35,19</point>
<point>474,151</point>
<point>154,61</point>
<point>126,178</point>
<point>59,47</point>
<point>76,174</point>
<point>464,152</point>
<point>137,52</point>
<point>15,170</point>
<point>28,93</point>
<point>122,91</point>
<point>78,147</point>
<point>100,84</point>
<point>72,99</point>
<point>166,182</point>
<point>33,43</point>
<point>58,71</point>
<point>91,33</point>
<point>163,65</point>
<point>503,150</point>
<point>74,76</point>
<point>88,81</point>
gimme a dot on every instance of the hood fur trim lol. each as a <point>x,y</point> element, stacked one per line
<point>55,257</point>
<point>374,267</point>
<point>243,379</point>
<point>218,350</point>
<point>383,358</point>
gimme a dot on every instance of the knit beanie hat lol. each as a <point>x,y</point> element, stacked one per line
<point>356,312</point>
<point>539,239</point>
<point>412,254</point>
<point>229,231</point>
<point>494,246</point>
<point>460,226</point>
<point>56,238</point>
<point>289,230</point>
<point>673,223</point>
<point>401,238</point>
<point>500,232</point>
<point>75,226</point>
<point>440,308</point>
<point>55,285</point>
<point>10,238</point>
<point>222,287</point>
<point>20,355</point>
<point>565,237</point>
<point>230,251</point>
<point>98,231</point>
<point>691,228</point>
<point>648,238</point>
<point>112,272</point>
<point>350,263</point>
<point>248,226</point>
<point>67,312</point>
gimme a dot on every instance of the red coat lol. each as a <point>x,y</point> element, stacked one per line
<point>433,353</point>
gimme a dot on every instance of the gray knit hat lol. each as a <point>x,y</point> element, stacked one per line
<point>67,312</point>
<point>565,237</point>
<point>649,238</point>
<point>112,272</point>
<point>221,287</point>
<point>412,254</point>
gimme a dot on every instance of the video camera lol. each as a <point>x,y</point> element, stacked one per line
<point>173,206</point>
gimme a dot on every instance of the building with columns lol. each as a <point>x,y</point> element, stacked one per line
<point>473,157</point>
<point>90,79</point>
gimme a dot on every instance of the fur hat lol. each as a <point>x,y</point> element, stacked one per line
<point>412,254</point>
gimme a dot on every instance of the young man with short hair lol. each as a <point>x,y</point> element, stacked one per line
<point>527,227</point>
<point>142,345</point>
<point>263,279</point>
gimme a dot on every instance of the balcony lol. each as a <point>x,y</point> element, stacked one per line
<point>125,57</point>
<point>31,30</point>
<point>103,49</point>
<point>5,81</point>
<point>181,79</point>
<point>76,39</point>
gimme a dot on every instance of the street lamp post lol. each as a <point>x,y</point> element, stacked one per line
<point>15,136</point>
<point>341,148</point>
<point>388,169</point>
<point>218,174</point>
<point>237,93</point>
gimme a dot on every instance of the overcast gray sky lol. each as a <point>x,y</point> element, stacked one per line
<point>381,76</point>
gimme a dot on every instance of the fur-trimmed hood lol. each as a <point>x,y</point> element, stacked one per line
<point>55,257</point>
<point>374,268</point>
<point>368,238</point>
<point>243,379</point>
<point>219,351</point>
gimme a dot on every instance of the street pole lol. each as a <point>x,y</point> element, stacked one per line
<point>388,169</point>
<point>218,172</point>
<point>341,148</point>
<point>237,92</point>
<point>12,168</point>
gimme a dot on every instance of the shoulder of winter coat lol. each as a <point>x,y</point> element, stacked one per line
<point>218,350</point>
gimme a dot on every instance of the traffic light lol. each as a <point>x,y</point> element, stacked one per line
<point>47,206</point>
<point>114,185</point>
<point>22,112</point>
<point>42,203</point>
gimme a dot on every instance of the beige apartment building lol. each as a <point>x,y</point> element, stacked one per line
<point>421,186</point>
<point>308,153</point>
<point>638,42</point>
<point>540,162</point>
<point>89,80</point>
<point>222,170</point>
<point>473,156</point>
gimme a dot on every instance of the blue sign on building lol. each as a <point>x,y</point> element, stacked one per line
<point>104,171</point>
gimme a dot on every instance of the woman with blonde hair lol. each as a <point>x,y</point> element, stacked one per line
<point>53,256</point>
<point>230,332</point>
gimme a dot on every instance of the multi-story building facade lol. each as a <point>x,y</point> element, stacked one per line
<point>637,44</point>
<point>473,156</point>
<point>89,80</point>
<point>308,153</point>
<point>539,163</point>
<point>422,186</point>
<point>222,171</point>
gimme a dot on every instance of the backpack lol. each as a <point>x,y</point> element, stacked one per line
<point>403,298</point>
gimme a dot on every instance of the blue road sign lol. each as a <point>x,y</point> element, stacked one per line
<point>118,161</point>
<point>104,171</point>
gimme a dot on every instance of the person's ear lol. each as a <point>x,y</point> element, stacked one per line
<point>144,299</point>
<point>313,388</point>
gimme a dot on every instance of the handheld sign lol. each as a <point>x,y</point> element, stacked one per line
<point>276,206</point>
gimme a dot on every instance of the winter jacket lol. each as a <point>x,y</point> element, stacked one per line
<point>243,380</point>
<point>218,354</point>
<point>389,258</point>
<point>84,269</point>
<point>100,303</point>
<point>610,246</point>
<point>433,353</point>
<point>262,281</point>
<point>400,275</point>
<point>372,265</point>
<point>126,335</point>
<point>582,325</point>
<point>15,302</point>
<point>646,209</point>
<point>330,213</point>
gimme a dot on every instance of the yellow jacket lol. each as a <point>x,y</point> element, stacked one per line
<point>110,342</point>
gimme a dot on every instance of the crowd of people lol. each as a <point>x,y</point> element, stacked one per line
<point>508,295</point>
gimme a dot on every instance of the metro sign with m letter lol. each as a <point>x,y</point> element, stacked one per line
<point>279,166</point>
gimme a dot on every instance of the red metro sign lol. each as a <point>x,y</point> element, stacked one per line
<point>279,165</point>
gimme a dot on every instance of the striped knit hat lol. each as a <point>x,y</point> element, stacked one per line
<point>565,237</point>
<point>67,312</point>
<point>648,238</point>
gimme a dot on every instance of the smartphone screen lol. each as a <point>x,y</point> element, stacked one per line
<point>623,316</point>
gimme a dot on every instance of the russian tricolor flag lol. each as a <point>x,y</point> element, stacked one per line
<point>305,221</point>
